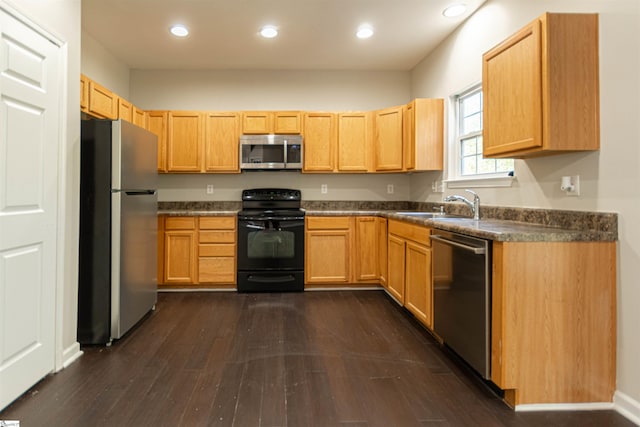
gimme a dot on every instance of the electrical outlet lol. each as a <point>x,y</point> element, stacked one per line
<point>323,189</point>
<point>437,186</point>
<point>389,188</point>
<point>209,188</point>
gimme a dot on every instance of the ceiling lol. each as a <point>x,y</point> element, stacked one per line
<point>314,34</point>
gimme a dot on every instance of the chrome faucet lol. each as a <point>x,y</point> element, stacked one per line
<point>475,205</point>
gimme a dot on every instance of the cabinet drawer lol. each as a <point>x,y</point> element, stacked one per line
<point>217,270</point>
<point>218,223</point>
<point>328,222</point>
<point>180,223</point>
<point>217,250</point>
<point>217,236</point>
<point>408,231</point>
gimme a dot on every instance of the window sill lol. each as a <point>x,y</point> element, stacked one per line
<point>485,182</point>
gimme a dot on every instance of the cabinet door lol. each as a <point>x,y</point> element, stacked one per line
<point>257,122</point>
<point>157,122</point>
<point>396,267</point>
<point>160,250</point>
<point>184,142</point>
<point>382,250</point>
<point>365,251</point>
<point>180,259</point>
<point>355,142</point>
<point>222,133</point>
<point>102,102</point>
<point>320,138</point>
<point>139,117</point>
<point>327,256</point>
<point>287,122</point>
<point>84,93</point>
<point>125,110</point>
<point>512,92</point>
<point>419,295</point>
<point>388,141</point>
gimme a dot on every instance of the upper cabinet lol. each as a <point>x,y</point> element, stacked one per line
<point>221,139</point>
<point>125,110</point>
<point>157,122</point>
<point>423,135</point>
<point>355,142</point>
<point>541,89</point>
<point>267,122</point>
<point>84,93</point>
<point>101,101</point>
<point>388,140</point>
<point>184,141</point>
<point>320,139</point>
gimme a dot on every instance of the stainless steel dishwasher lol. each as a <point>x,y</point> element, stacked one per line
<point>462,296</point>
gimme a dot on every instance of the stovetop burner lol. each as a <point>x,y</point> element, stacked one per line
<point>280,201</point>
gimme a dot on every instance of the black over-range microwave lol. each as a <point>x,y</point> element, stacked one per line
<point>270,152</point>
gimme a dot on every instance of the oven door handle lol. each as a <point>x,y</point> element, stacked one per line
<point>255,227</point>
<point>474,249</point>
<point>264,279</point>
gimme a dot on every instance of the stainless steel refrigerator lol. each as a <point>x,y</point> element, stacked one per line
<point>118,229</point>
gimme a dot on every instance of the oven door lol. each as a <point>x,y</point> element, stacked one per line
<point>270,244</point>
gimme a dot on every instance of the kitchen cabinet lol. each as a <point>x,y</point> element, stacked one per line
<point>184,141</point>
<point>355,142</point>
<point>388,139</point>
<point>553,321</point>
<point>382,250</point>
<point>423,135</point>
<point>180,249</point>
<point>102,103</point>
<point>409,269</point>
<point>221,136</point>
<point>320,139</point>
<point>266,122</point>
<point>139,117</point>
<point>327,250</point>
<point>160,273</point>
<point>157,122</point>
<point>125,110</point>
<point>541,89</point>
<point>84,93</point>
<point>217,250</point>
<point>365,250</point>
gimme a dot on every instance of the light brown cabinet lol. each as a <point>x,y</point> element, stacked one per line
<point>554,321</point>
<point>221,136</point>
<point>217,250</point>
<point>125,110</point>
<point>139,117</point>
<point>327,250</point>
<point>541,89</point>
<point>382,250</point>
<point>365,250</point>
<point>320,139</point>
<point>409,269</point>
<point>184,141</point>
<point>157,122</point>
<point>101,102</point>
<point>423,134</point>
<point>267,122</point>
<point>355,142</point>
<point>388,139</point>
<point>180,250</point>
<point>84,93</point>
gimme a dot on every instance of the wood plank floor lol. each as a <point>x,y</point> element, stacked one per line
<point>347,358</point>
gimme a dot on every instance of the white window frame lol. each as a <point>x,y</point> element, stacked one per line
<point>455,179</point>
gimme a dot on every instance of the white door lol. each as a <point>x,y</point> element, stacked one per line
<point>29,139</point>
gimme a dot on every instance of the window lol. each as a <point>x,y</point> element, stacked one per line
<point>468,141</point>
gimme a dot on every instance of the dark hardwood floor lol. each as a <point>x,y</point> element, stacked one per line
<point>348,358</point>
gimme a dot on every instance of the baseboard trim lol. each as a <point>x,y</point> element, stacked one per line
<point>71,354</point>
<point>595,406</point>
<point>627,407</point>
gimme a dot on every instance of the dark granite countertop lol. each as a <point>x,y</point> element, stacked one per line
<point>498,224</point>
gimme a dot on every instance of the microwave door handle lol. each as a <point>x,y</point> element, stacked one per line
<point>284,147</point>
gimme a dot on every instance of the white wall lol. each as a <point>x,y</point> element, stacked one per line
<point>610,178</point>
<point>273,90</point>
<point>101,66</point>
<point>62,19</point>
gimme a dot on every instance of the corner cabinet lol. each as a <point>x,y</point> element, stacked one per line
<point>541,89</point>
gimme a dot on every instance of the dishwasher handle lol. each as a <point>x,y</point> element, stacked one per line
<point>476,250</point>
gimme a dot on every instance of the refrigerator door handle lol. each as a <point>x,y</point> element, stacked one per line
<point>135,192</point>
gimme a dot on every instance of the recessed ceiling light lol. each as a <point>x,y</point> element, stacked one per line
<point>179,30</point>
<point>269,31</point>
<point>455,10</point>
<point>364,31</point>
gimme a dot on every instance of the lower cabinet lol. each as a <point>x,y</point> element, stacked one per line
<point>341,250</point>
<point>409,278</point>
<point>197,251</point>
